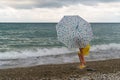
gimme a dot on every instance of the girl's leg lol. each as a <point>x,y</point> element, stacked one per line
<point>81,57</point>
<point>82,60</point>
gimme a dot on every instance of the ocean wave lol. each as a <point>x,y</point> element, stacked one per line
<point>36,52</point>
<point>105,47</point>
<point>40,56</point>
<point>16,54</point>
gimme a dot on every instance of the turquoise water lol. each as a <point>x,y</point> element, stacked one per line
<point>26,43</point>
<point>31,35</point>
<point>106,33</point>
<point>24,35</point>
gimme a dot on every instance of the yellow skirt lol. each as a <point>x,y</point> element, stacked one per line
<point>85,50</point>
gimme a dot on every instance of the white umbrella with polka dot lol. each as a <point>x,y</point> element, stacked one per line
<point>74,32</point>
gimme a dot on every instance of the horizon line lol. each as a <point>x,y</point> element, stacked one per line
<point>55,22</point>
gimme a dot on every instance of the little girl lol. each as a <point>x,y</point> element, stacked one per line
<point>83,52</point>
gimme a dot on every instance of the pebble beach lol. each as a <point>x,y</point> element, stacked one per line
<point>101,70</point>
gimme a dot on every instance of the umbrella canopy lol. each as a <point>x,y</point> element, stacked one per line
<point>74,32</point>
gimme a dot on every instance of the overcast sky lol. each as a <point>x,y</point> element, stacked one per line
<point>54,10</point>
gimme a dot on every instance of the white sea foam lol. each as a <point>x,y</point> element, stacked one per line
<point>17,54</point>
<point>40,56</point>
<point>34,53</point>
<point>105,47</point>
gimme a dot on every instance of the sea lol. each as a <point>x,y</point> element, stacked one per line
<point>31,44</point>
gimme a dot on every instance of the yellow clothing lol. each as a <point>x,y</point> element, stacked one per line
<point>85,51</point>
<point>82,66</point>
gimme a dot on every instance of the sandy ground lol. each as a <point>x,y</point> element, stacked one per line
<point>101,70</point>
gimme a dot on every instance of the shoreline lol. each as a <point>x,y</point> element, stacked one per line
<point>64,71</point>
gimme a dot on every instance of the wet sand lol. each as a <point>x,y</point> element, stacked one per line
<point>104,70</point>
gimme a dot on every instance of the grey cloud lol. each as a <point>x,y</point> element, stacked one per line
<point>53,3</point>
